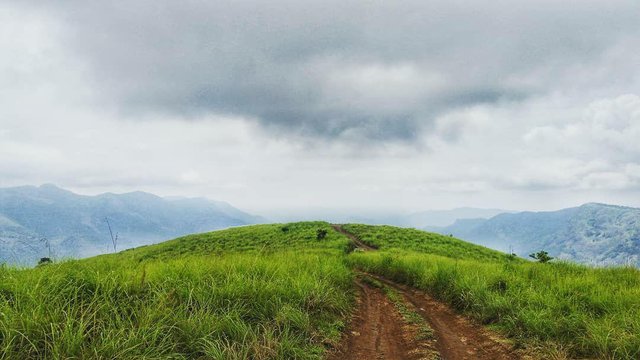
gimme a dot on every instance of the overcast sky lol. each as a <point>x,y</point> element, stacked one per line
<point>276,104</point>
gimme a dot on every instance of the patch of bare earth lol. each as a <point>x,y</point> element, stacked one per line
<point>457,337</point>
<point>378,331</point>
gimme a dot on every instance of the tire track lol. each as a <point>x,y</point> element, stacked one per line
<point>458,338</point>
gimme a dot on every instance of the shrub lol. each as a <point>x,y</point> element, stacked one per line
<point>321,234</point>
<point>542,256</point>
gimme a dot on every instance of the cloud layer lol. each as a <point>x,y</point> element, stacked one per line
<point>372,69</point>
<point>414,104</point>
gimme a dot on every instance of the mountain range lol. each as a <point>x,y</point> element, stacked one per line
<point>48,221</point>
<point>596,234</point>
<point>34,219</point>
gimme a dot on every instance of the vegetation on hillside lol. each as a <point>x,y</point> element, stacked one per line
<point>567,309</point>
<point>391,237</point>
<point>179,301</point>
<point>284,291</point>
<point>259,238</point>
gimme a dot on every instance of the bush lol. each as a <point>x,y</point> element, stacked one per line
<point>541,256</point>
<point>321,234</point>
<point>44,261</point>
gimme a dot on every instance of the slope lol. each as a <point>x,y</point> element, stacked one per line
<point>391,237</point>
<point>225,295</point>
<point>554,310</point>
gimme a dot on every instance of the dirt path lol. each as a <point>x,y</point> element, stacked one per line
<point>376,331</point>
<point>457,337</point>
<point>358,242</point>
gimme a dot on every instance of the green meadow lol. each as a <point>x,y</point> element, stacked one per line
<point>285,291</point>
<point>221,295</point>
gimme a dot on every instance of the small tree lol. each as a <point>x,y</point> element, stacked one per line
<point>44,261</point>
<point>321,234</point>
<point>542,256</point>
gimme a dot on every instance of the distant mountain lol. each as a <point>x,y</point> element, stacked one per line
<point>447,217</point>
<point>75,225</point>
<point>597,234</point>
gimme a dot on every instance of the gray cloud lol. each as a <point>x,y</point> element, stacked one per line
<point>523,105</point>
<point>330,68</point>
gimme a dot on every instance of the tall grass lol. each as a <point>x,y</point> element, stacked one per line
<point>587,312</point>
<point>240,305</point>
<point>279,292</point>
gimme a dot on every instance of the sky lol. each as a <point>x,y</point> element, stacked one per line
<point>293,105</point>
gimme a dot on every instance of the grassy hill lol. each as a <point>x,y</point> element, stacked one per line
<point>284,291</point>
<point>259,238</point>
<point>227,294</point>
<point>562,310</point>
<point>391,237</point>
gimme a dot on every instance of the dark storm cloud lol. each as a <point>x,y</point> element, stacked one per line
<point>376,70</point>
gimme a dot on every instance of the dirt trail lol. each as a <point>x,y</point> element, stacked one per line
<point>358,242</point>
<point>378,331</point>
<point>458,337</point>
<point>374,332</point>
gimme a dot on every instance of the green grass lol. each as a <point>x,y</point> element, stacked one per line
<point>585,312</point>
<point>163,301</point>
<point>277,292</point>
<point>258,238</point>
<point>391,237</point>
<point>575,310</point>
